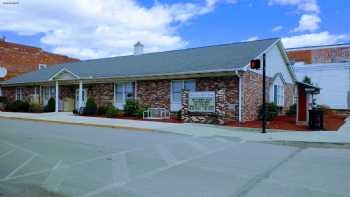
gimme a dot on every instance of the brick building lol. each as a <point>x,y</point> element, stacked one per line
<point>328,67</point>
<point>17,59</point>
<point>160,79</point>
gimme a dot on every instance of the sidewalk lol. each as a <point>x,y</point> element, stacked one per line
<point>69,118</point>
<point>196,130</point>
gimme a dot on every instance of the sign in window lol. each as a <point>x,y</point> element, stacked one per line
<point>201,101</point>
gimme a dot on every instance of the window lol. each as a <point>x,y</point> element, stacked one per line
<point>176,88</point>
<point>47,93</point>
<point>19,94</point>
<point>124,91</point>
<point>278,94</point>
<point>42,66</point>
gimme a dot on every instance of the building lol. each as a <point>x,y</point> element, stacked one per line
<point>158,79</point>
<point>329,68</point>
<point>17,59</point>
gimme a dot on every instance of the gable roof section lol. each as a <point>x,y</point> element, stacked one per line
<point>218,58</point>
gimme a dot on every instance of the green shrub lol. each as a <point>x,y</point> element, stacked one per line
<point>75,112</point>
<point>3,99</point>
<point>51,105</point>
<point>131,107</point>
<point>292,110</point>
<point>18,106</point>
<point>35,108</point>
<point>102,110</point>
<point>112,112</point>
<point>91,107</point>
<point>179,115</point>
<point>140,111</point>
<point>271,111</point>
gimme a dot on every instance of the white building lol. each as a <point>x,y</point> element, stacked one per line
<point>332,78</point>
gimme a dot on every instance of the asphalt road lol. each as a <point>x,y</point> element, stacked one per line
<point>88,161</point>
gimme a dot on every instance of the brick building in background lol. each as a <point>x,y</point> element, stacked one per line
<point>328,67</point>
<point>17,59</point>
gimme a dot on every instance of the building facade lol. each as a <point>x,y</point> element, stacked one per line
<point>159,79</point>
<point>328,67</point>
<point>17,59</point>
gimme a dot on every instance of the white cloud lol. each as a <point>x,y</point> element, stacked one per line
<point>252,38</point>
<point>277,28</point>
<point>322,38</point>
<point>302,5</point>
<point>102,28</point>
<point>308,22</point>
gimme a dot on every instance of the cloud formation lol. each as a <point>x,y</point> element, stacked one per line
<point>308,22</point>
<point>312,39</point>
<point>102,28</point>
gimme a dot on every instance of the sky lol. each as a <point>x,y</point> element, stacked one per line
<point>89,29</point>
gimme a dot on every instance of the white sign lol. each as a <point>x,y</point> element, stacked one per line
<point>3,72</point>
<point>201,101</point>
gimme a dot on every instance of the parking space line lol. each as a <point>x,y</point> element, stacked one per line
<point>7,153</point>
<point>197,146</point>
<point>54,180</point>
<point>150,173</point>
<point>120,169</point>
<point>165,154</point>
<point>20,167</point>
<point>72,165</point>
<point>19,147</point>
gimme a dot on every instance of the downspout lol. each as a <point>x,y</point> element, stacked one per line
<point>239,96</point>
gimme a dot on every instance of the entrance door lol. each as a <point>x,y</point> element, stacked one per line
<point>77,98</point>
<point>124,91</point>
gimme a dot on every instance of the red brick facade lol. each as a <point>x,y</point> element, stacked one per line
<point>19,59</point>
<point>320,55</point>
<point>157,93</point>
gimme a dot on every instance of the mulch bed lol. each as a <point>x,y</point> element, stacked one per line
<point>332,122</point>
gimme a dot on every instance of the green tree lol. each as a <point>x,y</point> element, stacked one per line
<point>307,80</point>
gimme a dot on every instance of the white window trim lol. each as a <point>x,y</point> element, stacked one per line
<point>19,94</point>
<point>171,91</point>
<point>120,105</point>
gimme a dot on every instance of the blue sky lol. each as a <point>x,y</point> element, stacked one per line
<point>101,28</point>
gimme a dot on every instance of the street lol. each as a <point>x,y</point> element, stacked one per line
<point>90,161</point>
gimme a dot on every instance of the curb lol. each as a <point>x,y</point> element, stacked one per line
<point>78,123</point>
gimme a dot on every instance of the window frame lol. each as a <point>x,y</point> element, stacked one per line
<point>19,94</point>
<point>174,105</point>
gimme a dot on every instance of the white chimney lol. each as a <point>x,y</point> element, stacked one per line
<point>138,48</point>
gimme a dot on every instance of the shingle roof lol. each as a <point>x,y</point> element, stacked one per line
<point>216,58</point>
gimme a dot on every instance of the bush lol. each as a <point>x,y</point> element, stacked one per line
<point>271,111</point>
<point>18,106</point>
<point>292,110</point>
<point>3,99</point>
<point>140,111</point>
<point>179,115</point>
<point>75,112</point>
<point>102,110</point>
<point>112,112</point>
<point>35,108</point>
<point>91,107</point>
<point>131,107</point>
<point>51,105</point>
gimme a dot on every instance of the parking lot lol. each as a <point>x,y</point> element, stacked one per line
<point>89,161</point>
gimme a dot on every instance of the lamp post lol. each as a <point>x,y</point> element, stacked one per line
<point>264,95</point>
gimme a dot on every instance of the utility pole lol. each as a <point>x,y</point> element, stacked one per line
<point>264,95</point>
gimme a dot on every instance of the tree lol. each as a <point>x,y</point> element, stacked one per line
<point>307,80</point>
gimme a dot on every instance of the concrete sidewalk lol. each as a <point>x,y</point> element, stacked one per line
<point>70,118</point>
<point>197,130</point>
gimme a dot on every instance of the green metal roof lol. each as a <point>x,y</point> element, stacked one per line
<point>218,58</point>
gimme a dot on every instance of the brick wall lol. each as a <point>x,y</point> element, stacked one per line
<point>298,56</point>
<point>103,93</point>
<point>154,93</point>
<point>231,86</point>
<point>252,95</point>
<point>325,55</point>
<point>19,59</point>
